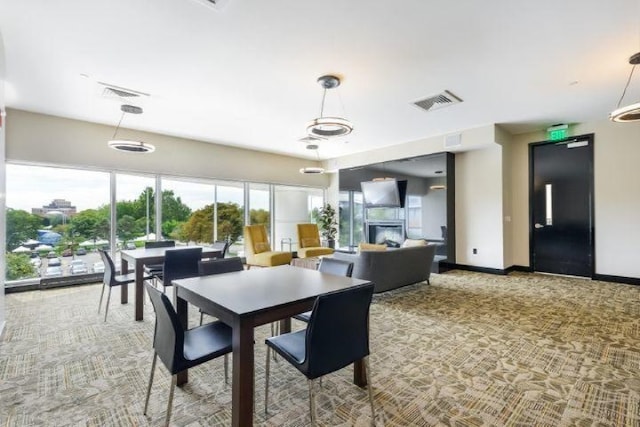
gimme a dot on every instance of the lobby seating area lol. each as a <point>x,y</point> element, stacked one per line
<point>471,348</point>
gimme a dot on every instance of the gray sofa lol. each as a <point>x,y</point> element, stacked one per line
<point>392,268</point>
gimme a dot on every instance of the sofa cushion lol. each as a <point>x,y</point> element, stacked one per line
<point>309,242</point>
<point>409,243</point>
<point>314,251</point>
<point>260,247</point>
<point>371,247</point>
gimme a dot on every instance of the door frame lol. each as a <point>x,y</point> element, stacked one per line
<point>590,138</point>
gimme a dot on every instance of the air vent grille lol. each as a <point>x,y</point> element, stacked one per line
<point>216,4</point>
<point>438,101</point>
<point>118,93</point>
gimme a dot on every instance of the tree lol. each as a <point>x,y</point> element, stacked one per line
<point>230,221</point>
<point>199,227</point>
<point>259,216</point>
<point>126,228</point>
<point>89,224</point>
<point>19,267</point>
<point>21,226</point>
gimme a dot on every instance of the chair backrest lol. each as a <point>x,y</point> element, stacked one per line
<point>337,267</point>
<point>160,244</point>
<point>168,336</point>
<point>219,266</point>
<point>109,268</point>
<point>338,330</point>
<point>222,246</point>
<point>256,239</point>
<point>308,235</point>
<point>180,264</point>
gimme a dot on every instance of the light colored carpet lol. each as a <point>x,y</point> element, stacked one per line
<point>469,350</point>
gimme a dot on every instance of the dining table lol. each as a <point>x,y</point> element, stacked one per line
<point>250,298</point>
<point>141,256</point>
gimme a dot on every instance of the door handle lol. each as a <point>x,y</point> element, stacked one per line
<point>538,225</point>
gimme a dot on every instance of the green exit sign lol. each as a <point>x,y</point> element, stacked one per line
<point>558,132</point>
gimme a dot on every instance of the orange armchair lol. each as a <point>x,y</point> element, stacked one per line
<point>309,242</point>
<point>258,250</point>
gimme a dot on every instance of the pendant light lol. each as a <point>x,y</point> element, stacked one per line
<point>629,113</point>
<point>312,170</point>
<point>328,127</point>
<point>128,145</point>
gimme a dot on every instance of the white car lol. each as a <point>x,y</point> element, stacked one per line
<point>55,271</point>
<point>98,267</point>
<point>77,266</point>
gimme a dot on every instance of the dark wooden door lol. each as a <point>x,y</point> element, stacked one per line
<point>561,207</point>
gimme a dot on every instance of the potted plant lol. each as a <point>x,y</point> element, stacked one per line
<point>327,223</point>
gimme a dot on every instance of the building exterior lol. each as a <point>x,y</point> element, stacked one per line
<point>56,207</point>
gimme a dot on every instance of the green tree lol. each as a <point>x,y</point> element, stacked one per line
<point>199,226</point>
<point>19,267</point>
<point>90,224</point>
<point>230,221</point>
<point>126,228</point>
<point>259,216</point>
<point>21,226</point>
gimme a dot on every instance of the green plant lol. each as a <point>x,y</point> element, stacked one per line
<point>327,222</point>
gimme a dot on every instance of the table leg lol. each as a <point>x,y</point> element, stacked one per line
<point>124,289</point>
<point>242,392</point>
<point>139,291</point>
<point>359,373</point>
<point>285,325</point>
<point>182,310</point>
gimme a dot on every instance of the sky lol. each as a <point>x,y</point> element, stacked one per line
<point>35,186</point>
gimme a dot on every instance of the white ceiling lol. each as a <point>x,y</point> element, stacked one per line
<point>246,75</point>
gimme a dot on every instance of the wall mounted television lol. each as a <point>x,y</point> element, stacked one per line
<point>387,193</point>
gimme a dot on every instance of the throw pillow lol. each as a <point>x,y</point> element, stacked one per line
<point>414,242</point>
<point>371,247</point>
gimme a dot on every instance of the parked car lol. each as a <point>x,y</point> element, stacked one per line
<point>52,254</point>
<point>34,254</point>
<point>78,266</point>
<point>53,271</point>
<point>81,251</point>
<point>67,252</point>
<point>130,246</point>
<point>98,267</point>
<point>54,262</point>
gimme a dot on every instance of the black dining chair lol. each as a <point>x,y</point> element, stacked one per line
<point>218,266</point>
<point>111,279</point>
<point>156,269</point>
<point>179,349</point>
<point>222,246</point>
<point>337,336</point>
<point>179,264</point>
<point>337,267</point>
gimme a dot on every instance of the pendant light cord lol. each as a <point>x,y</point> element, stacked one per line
<point>118,127</point>
<point>626,86</point>
<point>324,95</point>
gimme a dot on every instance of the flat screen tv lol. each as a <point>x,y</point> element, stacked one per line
<point>388,193</point>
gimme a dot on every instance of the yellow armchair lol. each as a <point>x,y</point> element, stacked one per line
<point>258,250</point>
<point>309,242</point>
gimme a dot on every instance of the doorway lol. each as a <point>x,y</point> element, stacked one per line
<point>561,235</point>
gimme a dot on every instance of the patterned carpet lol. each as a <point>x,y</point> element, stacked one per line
<point>469,350</point>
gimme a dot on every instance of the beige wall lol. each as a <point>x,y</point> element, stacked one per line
<point>39,138</point>
<point>616,195</point>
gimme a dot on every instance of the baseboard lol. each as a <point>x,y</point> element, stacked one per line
<point>498,271</point>
<point>617,279</point>
<point>522,268</point>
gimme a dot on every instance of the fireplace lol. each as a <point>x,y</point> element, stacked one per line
<point>385,232</point>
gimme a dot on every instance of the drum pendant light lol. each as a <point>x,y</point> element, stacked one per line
<point>328,127</point>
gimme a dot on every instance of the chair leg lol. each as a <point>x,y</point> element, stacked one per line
<point>312,402</point>
<point>174,381</point>
<point>153,369</point>
<point>370,388</point>
<point>201,317</point>
<point>226,368</point>
<point>101,296</point>
<point>106,308</point>
<point>266,380</point>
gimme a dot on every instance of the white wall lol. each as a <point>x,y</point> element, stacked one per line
<point>616,196</point>
<point>479,208</point>
<point>40,138</point>
<point>434,210</point>
<point>292,207</point>
<point>3,192</point>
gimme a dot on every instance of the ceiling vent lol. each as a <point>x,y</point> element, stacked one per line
<point>215,4</point>
<point>438,101</point>
<point>120,94</point>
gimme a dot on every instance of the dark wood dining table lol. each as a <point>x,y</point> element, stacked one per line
<point>142,256</point>
<point>250,298</point>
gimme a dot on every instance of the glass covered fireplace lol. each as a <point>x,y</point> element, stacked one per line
<point>390,233</point>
